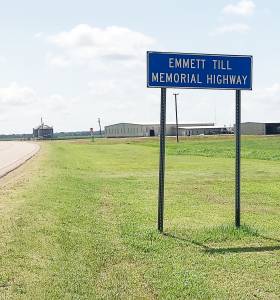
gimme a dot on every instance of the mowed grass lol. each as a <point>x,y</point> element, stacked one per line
<point>80,222</point>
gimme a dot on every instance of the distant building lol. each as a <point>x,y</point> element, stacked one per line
<point>142,130</point>
<point>43,131</point>
<point>256,128</point>
<point>203,130</point>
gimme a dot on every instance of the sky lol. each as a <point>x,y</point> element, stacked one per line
<point>72,62</point>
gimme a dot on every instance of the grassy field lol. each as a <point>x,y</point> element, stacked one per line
<point>79,222</point>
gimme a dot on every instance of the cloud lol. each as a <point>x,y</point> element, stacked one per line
<point>38,35</point>
<point>57,60</point>
<point>242,8</point>
<point>58,103</point>
<point>19,102</point>
<point>232,28</point>
<point>103,88</point>
<point>113,62</point>
<point>262,104</point>
<point>15,95</point>
<point>83,44</point>
<point>269,95</point>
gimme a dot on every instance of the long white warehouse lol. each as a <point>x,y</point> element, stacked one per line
<point>142,130</point>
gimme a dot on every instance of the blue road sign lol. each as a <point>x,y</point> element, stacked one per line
<point>199,71</point>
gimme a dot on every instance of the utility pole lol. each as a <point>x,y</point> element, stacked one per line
<point>99,126</point>
<point>41,134</point>
<point>177,133</point>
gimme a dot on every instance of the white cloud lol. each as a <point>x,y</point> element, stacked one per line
<point>232,28</point>
<point>58,103</point>
<point>113,61</point>
<point>115,58</point>
<point>23,103</point>
<point>57,60</point>
<point>242,8</point>
<point>84,43</point>
<point>102,88</point>
<point>262,104</point>
<point>269,95</point>
<point>38,35</point>
<point>15,95</point>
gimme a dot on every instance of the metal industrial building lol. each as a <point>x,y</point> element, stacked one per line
<point>43,131</point>
<point>203,130</point>
<point>255,128</point>
<point>144,130</point>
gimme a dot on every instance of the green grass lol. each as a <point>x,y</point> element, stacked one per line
<point>81,222</point>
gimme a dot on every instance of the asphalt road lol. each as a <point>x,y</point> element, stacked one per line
<point>14,154</point>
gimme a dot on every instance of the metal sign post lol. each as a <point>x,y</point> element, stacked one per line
<point>161,159</point>
<point>198,71</point>
<point>237,156</point>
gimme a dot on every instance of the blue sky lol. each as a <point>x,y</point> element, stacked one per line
<point>74,61</point>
